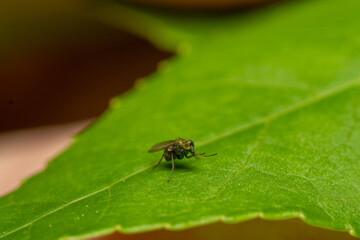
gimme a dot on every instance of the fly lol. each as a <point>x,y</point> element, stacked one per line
<point>176,149</point>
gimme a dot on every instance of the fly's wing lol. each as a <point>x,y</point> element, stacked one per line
<point>161,146</point>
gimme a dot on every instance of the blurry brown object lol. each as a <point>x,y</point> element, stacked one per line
<point>257,229</point>
<point>72,81</point>
<point>58,65</point>
<point>25,152</point>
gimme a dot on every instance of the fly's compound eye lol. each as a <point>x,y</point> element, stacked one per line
<point>187,146</point>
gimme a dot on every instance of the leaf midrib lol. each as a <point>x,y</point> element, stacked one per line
<point>296,107</point>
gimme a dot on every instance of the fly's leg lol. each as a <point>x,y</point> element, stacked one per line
<point>158,162</point>
<point>173,166</point>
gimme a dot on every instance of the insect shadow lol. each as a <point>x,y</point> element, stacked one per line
<point>179,166</point>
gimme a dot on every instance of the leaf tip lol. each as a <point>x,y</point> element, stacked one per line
<point>163,66</point>
<point>115,103</point>
<point>118,228</point>
<point>184,49</point>
<point>139,83</point>
<point>351,230</point>
<point>301,216</point>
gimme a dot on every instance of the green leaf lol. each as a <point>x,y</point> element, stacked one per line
<point>276,93</point>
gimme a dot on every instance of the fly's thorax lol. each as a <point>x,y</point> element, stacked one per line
<point>180,142</point>
<point>171,148</point>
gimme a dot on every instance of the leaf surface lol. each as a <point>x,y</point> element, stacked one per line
<point>274,92</point>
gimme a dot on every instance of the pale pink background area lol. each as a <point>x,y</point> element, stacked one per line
<point>26,152</point>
